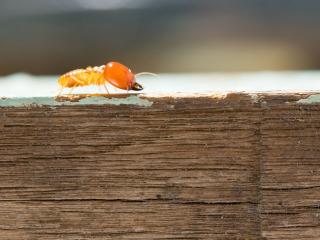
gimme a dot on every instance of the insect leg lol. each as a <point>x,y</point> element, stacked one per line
<point>105,87</point>
<point>81,83</point>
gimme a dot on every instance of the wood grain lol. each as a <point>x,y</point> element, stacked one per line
<point>185,168</point>
<point>290,176</point>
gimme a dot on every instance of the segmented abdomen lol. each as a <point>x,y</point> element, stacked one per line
<point>82,77</point>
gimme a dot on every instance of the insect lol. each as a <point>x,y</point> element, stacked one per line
<point>114,73</point>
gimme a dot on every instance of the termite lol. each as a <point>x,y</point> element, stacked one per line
<point>114,73</point>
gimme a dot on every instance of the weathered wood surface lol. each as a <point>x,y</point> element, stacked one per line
<point>238,167</point>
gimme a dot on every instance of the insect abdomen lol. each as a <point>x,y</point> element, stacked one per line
<point>82,77</point>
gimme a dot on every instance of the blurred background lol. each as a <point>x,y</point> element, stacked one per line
<point>162,36</point>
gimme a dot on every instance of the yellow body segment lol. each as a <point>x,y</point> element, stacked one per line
<point>83,77</point>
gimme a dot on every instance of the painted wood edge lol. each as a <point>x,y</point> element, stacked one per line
<point>144,100</point>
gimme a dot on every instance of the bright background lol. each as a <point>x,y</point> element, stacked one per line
<point>163,36</point>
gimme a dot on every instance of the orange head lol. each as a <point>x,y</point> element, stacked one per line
<point>121,76</point>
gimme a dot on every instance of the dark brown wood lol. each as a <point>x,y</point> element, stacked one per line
<point>239,167</point>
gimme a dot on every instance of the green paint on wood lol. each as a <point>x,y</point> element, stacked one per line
<point>95,100</point>
<point>254,97</point>
<point>310,100</point>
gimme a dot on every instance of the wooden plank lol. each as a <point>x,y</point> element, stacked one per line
<point>123,219</point>
<point>239,167</point>
<point>290,176</point>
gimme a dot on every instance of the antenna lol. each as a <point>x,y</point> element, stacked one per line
<point>147,73</point>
